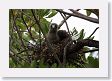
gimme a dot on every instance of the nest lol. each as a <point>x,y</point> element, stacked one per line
<point>72,56</point>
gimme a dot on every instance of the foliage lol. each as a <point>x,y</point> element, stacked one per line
<point>26,38</point>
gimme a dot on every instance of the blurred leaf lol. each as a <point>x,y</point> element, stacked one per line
<point>46,12</point>
<point>92,62</point>
<point>92,37</point>
<point>44,24</point>
<point>42,12</point>
<point>20,25</point>
<point>33,64</point>
<point>86,48</point>
<point>41,64</point>
<point>11,63</point>
<point>25,64</point>
<point>54,65</point>
<point>53,13</point>
<point>74,32</point>
<point>81,35</point>
<point>88,13</point>
<point>94,11</point>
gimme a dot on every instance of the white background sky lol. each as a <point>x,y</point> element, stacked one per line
<point>78,23</point>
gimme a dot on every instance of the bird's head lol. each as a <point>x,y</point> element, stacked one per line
<point>53,27</point>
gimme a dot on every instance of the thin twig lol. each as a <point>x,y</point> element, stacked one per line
<point>66,18</point>
<point>65,48</point>
<point>23,51</point>
<point>65,22</point>
<point>91,50</point>
<point>65,51</point>
<point>79,15</point>
<point>19,34</point>
<point>92,33</point>
<point>40,38</point>
<point>62,22</point>
<point>27,27</point>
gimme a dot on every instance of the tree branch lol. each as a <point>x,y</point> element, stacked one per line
<point>62,22</point>
<point>27,27</point>
<point>66,18</point>
<point>86,42</point>
<point>91,50</point>
<point>84,16</point>
<point>79,15</point>
<point>66,23</point>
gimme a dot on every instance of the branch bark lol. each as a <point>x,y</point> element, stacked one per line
<point>79,15</point>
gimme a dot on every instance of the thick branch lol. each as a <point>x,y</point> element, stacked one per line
<point>79,15</point>
<point>86,42</point>
<point>83,16</point>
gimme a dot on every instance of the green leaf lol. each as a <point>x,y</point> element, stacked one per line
<point>81,35</point>
<point>54,65</point>
<point>92,37</point>
<point>88,13</point>
<point>41,64</point>
<point>11,63</point>
<point>25,64</point>
<point>46,12</point>
<point>20,25</point>
<point>75,31</point>
<point>44,24</point>
<point>92,62</point>
<point>42,12</point>
<point>86,48</point>
<point>53,13</point>
<point>33,64</point>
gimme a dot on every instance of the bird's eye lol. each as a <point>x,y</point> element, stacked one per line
<point>53,26</point>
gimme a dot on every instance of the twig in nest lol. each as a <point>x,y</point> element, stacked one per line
<point>65,51</point>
